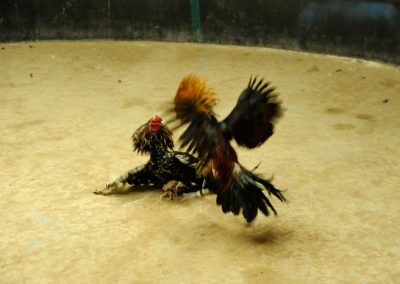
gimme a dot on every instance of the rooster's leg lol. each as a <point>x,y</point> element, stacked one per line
<point>203,186</point>
<point>137,176</point>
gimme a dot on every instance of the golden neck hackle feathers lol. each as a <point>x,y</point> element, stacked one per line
<point>193,95</point>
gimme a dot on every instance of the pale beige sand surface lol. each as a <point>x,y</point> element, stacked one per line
<point>68,109</point>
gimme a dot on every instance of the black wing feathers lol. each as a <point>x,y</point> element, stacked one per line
<point>252,120</point>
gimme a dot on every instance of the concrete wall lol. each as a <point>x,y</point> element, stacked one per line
<point>364,28</point>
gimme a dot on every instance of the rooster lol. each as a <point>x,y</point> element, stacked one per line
<point>175,171</point>
<point>250,123</point>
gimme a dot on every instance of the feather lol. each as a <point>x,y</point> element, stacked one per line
<point>193,97</point>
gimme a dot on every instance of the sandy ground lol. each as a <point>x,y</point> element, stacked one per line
<point>68,109</point>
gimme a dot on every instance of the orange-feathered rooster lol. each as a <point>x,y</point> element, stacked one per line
<point>250,123</point>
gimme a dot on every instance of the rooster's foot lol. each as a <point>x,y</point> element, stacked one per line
<point>173,190</point>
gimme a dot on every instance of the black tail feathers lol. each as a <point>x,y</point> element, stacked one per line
<point>246,194</point>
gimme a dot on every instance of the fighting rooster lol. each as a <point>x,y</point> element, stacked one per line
<point>250,123</point>
<point>175,171</point>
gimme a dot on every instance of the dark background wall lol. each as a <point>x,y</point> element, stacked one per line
<point>363,28</point>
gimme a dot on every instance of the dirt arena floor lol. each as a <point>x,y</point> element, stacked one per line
<point>68,110</point>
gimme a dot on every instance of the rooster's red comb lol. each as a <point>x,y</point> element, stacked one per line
<point>155,124</point>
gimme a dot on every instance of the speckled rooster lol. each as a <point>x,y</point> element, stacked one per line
<point>250,123</point>
<point>175,171</point>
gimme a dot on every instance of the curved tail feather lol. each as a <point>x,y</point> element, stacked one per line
<point>246,194</point>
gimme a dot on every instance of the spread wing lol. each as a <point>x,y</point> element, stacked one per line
<point>252,120</point>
